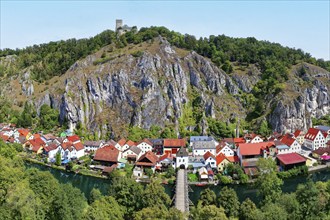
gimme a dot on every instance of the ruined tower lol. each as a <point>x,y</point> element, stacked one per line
<point>119,24</point>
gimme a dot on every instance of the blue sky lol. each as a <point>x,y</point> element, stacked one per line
<point>299,24</point>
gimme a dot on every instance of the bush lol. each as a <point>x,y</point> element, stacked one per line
<point>225,180</point>
<point>138,53</point>
<point>301,170</point>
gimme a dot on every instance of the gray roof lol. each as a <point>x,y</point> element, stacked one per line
<point>201,138</point>
<point>156,141</point>
<point>135,149</point>
<point>182,152</point>
<point>93,143</point>
<point>204,145</point>
<point>322,127</point>
<point>283,146</point>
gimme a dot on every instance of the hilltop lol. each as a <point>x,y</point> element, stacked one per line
<point>109,83</point>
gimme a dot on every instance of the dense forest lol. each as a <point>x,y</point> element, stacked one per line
<point>33,194</point>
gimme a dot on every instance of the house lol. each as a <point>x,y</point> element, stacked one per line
<point>289,161</point>
<point>222,162</point>
<point>127,145</point>
<point>203,174</point>
<point>199,148</point>
<point>201,138</point>
<point>182,158</point>
<point>50,151</point>
<point>47,138</point>
<point>299,136</point>
<point>35,145</point>
<point>321,152</point>
<point>226,150</point>
<point>292,143</point>
<point>165,161</point>
<point>325,130</point>
<point>145,145</point>
<point>157,146</point>
<point>196,162</point>
<point>314,139</point>
<point>252,138</point>
<point>171,146</point>
<point>132,154</point>
<point>120,144</point>
<point>146,161</point>
<point>107,155</point>
<point>282,148</point>
<point>24,132</point>
<point>74,139</point>
<point>92,145</point>
<point>71,150</point>
<point>210,160</point>
<point>253,150</point>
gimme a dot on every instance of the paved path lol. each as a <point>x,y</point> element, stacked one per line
<point>181,191</point>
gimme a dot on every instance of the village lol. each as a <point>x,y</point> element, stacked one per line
<point>207,160</point>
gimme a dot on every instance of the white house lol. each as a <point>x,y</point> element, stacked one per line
<point>314,139</point>
<point>145,145</point>
<point>127,145</point>
<point>201,138</point>
<point>93,145</point>
<point>226,150</point>
<point>182,158</point>
<point>292,143</point>
<point>210,159</point>
<point>252,138</point>
<point>132,154</point>
<point>51,151</point>
<point>119,145</point>
<point>199,148</point>
<point>71,150</point>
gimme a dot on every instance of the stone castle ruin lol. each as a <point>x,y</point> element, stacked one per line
<point>120,28</point>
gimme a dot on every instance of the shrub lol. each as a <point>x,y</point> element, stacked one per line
<point>225,180</point>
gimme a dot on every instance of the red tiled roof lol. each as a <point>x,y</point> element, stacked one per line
<point>122,142</point>
<point>147,159</point>
<point>50,147</point>
<point>79,146</point>
<point>207,155</point>
<point>130,143</point>
<point>66,145</point>
<point>4,137</point>
<point>35,148</point>
<point>311,134</point>
<point>322,150</point>
<point>287,140</point>
<point>221,157</point>
<point>109,169</point>
<point>35,136</point>
<point>37,142</point>
<point>297,133</point>
<point>145,140</point>
<point>233,159</point>
<point>73,138</point>
<point>325,134</point>
<point>253,148</point>
<point>291,158</point>
<point>165,156</point>
<point>23,132</point>
<point>239,140</point>
<point>107,153</point>
<point>174,142</point>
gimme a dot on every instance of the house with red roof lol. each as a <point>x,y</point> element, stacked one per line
<point>300,136</point>
<point>35,145</point>
<point>123,145</point>
<point>292,143</point>
<point>120,144</point>
<point>252,138</point>
<point>225,149</point>
<point>222,161</point>
<point>145,145</point>
<point>314,139</point>
<point>107,155</point>
<point>74,139</point>
<point>164,162</point>
<point>171,146</point>
<point>50,151</point>
<point>22,132</point>
<point>209,159</point>
<point>291,160</point>
<point>146,161</point>
<point>70,150</point>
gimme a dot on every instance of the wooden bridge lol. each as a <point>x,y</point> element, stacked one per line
<point>181,196</point>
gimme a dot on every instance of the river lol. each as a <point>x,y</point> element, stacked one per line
<point>87,183</point>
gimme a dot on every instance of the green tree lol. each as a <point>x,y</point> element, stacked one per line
<point>291,205</point>
<point>58,160</point>
<point>94,195</point>
<point>249,211</point>
<point>170,172</point>
<point>273,211</point>
<point>264,129</point>
<point>105,208</point>
<point>207,197</point>
<point>128,193</point>
<point>269,184</point>
<point>210,212</point>
<point>229,201</point>
<point>154,195</point>
<point>49,118</point>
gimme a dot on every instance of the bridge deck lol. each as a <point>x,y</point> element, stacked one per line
<point>181,191</point>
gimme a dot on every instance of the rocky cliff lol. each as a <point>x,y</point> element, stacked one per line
<point>150,83</point>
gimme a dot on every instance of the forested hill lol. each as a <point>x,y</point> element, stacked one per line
<point>255,80</point>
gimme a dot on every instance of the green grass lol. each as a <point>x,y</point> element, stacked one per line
<point>192,177</point>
